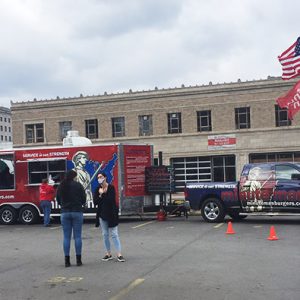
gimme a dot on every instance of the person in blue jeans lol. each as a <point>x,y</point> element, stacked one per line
<point>72,198</point>
<point>47,193</point>
<point>108,216</point>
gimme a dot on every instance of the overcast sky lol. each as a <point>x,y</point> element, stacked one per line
<point>65,48</point>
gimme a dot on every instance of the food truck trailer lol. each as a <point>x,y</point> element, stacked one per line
<point>23,169</point>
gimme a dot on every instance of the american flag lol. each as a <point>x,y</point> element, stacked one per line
<point>290,61</point>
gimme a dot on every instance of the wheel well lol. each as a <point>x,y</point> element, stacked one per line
<point>207,197</point>
<point>8,206</point>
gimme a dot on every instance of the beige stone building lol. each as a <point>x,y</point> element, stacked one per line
<point>205,132</point>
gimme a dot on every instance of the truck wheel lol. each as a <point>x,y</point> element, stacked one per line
<point>8,215</point>
<point>28,215</point>
<point>212,210</point>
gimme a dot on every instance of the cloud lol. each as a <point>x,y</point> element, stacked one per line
<point>66,47</point>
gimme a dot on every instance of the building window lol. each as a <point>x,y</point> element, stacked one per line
<point>145,125</point>
<point>274,157</point>
<point>174,123</point>
<point>64,127</point>
<point>281,117</point>
<point>91,128</point>
<point>204,120</point>
<point>34,133</point>
<point>203,168</point>
<point>1,118</point>
<point>223,168</point>
<point>1,128</point>
<point>8,120</point>
<point>242,117</point>
<point>118,126</point>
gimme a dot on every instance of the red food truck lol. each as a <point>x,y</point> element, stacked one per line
<point>22,171</point>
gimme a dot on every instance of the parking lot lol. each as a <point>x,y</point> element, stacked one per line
<point>174,259</point>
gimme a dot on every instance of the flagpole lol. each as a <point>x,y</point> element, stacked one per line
<point>92,178</point>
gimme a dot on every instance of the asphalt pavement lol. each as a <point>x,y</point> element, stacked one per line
<point>173,259</point>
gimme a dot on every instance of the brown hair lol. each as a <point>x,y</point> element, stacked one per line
<point>66,182</point>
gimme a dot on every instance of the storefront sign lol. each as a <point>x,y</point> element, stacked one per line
<point>219,142</point>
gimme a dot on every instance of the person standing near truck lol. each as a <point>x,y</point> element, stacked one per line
<point>108,215</point>
<point>47,193</point>
<point>72,198</point>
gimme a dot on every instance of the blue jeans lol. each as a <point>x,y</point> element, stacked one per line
<point>46,207</point>
<point>72,221</point>
<point>114,235</point>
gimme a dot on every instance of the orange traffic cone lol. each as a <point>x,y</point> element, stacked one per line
<point>230,228</point>
<point>161,215</point>
<point>272,236</point>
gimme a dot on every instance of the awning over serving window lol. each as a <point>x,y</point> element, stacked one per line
<point>41,159</point>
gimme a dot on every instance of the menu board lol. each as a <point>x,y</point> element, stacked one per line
<point>159,179</point>
<point>136,158</point>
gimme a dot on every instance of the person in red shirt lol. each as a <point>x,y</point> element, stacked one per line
<point>47,194</point>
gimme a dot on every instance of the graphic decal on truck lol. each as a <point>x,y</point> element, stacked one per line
<point>7,171</point>
<point>87,170</point>
<point>79,160</point>
<point>258,188</point>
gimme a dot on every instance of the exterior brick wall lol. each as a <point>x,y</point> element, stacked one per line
<point>221,99</point>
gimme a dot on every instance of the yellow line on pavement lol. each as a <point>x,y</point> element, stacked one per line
<point>218,225</point>
<point>126,290</point>
<point>143,224</point>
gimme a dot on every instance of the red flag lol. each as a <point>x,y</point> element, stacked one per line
<point>291,101</point>
<point>290,61</point>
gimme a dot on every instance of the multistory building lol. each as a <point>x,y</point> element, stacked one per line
<point>206,133</point>
<point>5,127</point>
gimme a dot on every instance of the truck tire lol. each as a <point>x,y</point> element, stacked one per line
<point>28,215</point>
<point>212,210</point>
<point>8,215</point>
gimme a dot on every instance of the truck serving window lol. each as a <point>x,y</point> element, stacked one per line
<point>7,172</point>
<point>37,170</point>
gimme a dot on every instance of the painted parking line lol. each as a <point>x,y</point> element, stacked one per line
<point>218,225</point>
<point>56,227</point>
<point>129,288</point>
<point>60,279</point>
<point>144,224</point>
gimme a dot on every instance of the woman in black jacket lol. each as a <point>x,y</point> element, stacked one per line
<point>108,215</point>
<point>71,197</point>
